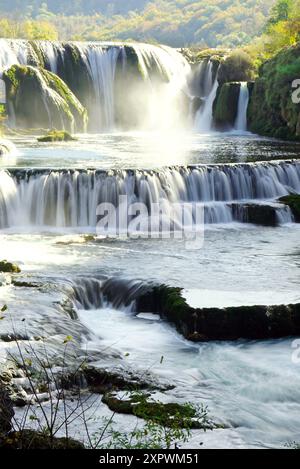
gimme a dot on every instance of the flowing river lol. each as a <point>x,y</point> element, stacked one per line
<point>49,195</point>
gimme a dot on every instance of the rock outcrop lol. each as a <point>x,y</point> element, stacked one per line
<point>228,323</point>
<point>226,105</point>
<point>38,98</point>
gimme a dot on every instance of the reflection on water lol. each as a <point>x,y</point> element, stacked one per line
<point>150,150</point>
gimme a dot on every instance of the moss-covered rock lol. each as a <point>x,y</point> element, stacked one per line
<point>38,98</point>
<point>293,201</point>
<point>30,439</point>
<point>57,136</point>
<point>9,267</point>
<point>165,414</point>
<point>237,66</point>
<point>226,105</point>
<point>271,110</point>
<point>230,323</point>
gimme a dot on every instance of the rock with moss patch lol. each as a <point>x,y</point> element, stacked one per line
<point>38,98</point>
<point>226,105</point>
<point>57,136</point>
<point>228,323</point>
<point>293,201</point>
<point>9,267</point>
<point>166,414</point>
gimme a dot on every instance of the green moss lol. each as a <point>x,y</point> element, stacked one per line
<point>293,201</point>
<point>168,415</point>
<point>272,111</point>
<point>226,105</point>
<point>41,99</point>
<point>57,136</point>
<point>9,267</point>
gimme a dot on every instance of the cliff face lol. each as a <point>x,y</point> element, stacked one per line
<point>272,111</point>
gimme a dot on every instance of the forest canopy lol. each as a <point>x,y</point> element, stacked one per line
<point>217,23</point>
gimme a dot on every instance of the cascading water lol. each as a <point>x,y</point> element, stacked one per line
<point>204,116</point>
<point>161,71</point>
<point>70,198</point>
<point>11,53</point>
<point>241,120</point>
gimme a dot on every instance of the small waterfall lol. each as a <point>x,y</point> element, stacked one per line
<point>204,116</point>
<point>69,198</point>
<point>94,293</point>
<point>241,120</point>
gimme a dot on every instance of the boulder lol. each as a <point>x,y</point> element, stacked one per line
<point>9,267</point>
<point>38,98</point>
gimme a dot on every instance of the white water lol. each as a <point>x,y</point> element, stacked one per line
<point>241,120</point>
<point>204,116</point>
<point>101,61</point>
<point>70,198</point>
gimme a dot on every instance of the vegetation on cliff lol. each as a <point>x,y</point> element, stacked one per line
<point>272,111</point>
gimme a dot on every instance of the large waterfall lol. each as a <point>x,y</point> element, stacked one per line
<point>116,82</point>
<point>69,198</point>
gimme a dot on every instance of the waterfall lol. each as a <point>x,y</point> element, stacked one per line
<point>204,116</point>
<point>69,198</point>
<point>161,74</point>
<point>11,53</point>
<point>241,120</point>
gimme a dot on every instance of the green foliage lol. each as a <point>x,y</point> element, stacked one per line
<point>272,111</point>
<point>174,22</point>
<point>281,30</point>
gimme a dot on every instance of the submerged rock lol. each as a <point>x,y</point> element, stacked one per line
<point>38,98</point>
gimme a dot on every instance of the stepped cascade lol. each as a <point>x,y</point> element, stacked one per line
<point>69,198</point>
